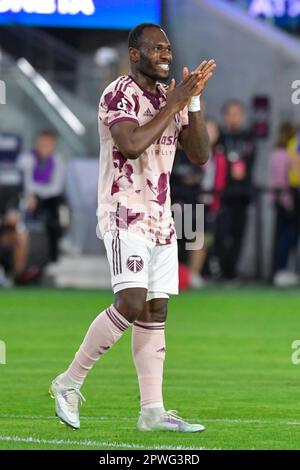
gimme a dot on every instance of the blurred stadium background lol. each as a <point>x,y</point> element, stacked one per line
<point>55,66</point>
<point>56,58</point>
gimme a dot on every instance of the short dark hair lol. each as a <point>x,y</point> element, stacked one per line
<point>233,102</point>
<point>136,33</point>
<point>47,133</point>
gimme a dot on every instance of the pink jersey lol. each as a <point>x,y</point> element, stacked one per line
<point>135,194</point>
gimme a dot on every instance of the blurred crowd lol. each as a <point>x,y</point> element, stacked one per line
<point>226,188</point>
<point>32,194</point>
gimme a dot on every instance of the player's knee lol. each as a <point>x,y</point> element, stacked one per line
<point>129,304</point>
<point>131,309</point>
<point>159,311</point>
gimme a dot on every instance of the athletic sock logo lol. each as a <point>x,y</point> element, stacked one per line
<point>148,113</point>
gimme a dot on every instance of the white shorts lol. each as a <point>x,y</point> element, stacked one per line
<point>137,262</point>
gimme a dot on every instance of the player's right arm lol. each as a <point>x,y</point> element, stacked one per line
<point>132,139</point>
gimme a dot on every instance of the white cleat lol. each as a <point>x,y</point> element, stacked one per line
<point>166,421</point>
<point>66,402</point>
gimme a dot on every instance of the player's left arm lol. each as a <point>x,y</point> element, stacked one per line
<point>194,138</point>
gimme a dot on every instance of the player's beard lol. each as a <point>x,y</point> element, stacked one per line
<point>147,69</point>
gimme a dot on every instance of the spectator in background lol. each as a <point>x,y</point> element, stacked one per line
<point>185,189</point>
<point>14,239</point>
<point>44,184</point>
<point>186,181</point>
<point>14,250</point>
<point>201,185</point>
<point>215,171</point>
<point>237,143</point>
<point>284,178</point>
<point>10,147</point>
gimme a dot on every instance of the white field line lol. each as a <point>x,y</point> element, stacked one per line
<point>60,442</point>
<point>278,421</point>
<point>196,421</point>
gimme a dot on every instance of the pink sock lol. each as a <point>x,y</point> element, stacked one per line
<point>103,333</point>
<point>148,350</point>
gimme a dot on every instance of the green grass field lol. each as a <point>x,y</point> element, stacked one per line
<point>228,366</point>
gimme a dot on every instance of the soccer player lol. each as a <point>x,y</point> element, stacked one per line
<point>140,122</point>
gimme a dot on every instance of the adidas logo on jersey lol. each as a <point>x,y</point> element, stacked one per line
<point>148,113</point>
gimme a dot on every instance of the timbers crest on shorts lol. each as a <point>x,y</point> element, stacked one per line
<point>135,263</point>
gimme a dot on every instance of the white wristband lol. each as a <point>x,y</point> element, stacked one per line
<point>194,104</point>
